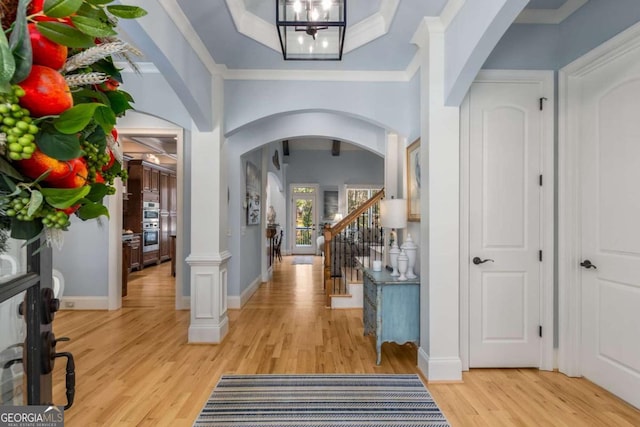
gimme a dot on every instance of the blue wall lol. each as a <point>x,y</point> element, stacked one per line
<point>350,167</point>
<point>83,258</point>
<point>388,105</point>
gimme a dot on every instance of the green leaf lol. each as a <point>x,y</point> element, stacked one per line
<point>126,12</point>
<point>127,96</point>
<point>35,202</point>
<point>98,138</point>
<point>58,146</point>
<point>88,96</point>
<point>114,169</point>
<point>76,118</point>
<point>8,170</point>
<point>98,191</point>
<point>64,34</point>
<point>7,63</point>
<point>92,210</point>
<point>106,118</point>
<point>63,198</point>
<point>20,44</point>
<point>61,8</point>
<point>11,186</point>
<point>106,66</point>
<point>93,27</point>
<point>98,2</point>
<point>119,101</point>
<point>92,12</point>
<point>5,87</point>
<point>25,230</point>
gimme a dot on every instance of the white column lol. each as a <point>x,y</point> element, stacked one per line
<point>209,257</point>
<point>439,353</point>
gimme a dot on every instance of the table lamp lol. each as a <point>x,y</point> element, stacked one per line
<point>393,215</point>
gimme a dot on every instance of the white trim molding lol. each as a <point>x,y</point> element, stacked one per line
<point>546,81</point>
<point>237,302</point>
<point>84,303</point>
<point>550,16</point>
<point>209,322</point>
<point>569,215</point>
<point>439,369</point>
<point>184,26</point>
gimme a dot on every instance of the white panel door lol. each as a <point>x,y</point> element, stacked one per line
<point>504,224</point>
<point>610,179</point>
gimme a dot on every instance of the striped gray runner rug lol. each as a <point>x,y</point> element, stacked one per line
<point>320,401</point>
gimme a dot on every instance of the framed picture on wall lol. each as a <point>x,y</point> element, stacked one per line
<point>413,181</point>
<point>330,204</point>
<point>253,187</point>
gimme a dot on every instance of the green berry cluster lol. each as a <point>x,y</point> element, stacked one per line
<point>95,158</point>
<point>55,219</point>
<point>17,125</point>
<point>18,207</point>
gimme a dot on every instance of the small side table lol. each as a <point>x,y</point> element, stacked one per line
<point>391,309</point>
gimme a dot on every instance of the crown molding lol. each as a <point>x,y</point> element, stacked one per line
<point>253,26</point>
<point>358,35</point>
<point>184,26</point>
<point>319,75</point>
<point>550,16</point>
<point>371,28</point>
<point>364,31</point>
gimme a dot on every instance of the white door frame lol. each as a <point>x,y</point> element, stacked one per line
<point>546,79</point>
<point>115,239</point>
<point>569,197</point>
<point>292,216</point>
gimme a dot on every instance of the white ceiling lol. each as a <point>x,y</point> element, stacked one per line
<point>161,150</point>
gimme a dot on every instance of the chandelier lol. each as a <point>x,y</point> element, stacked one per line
<point>311,29</point>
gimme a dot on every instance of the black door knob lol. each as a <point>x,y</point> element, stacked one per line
<point>587,264</point>
<point>478,261</point>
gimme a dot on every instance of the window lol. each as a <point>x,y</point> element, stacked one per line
<point>356,196</point>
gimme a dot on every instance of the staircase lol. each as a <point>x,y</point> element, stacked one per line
<point>350,245</point>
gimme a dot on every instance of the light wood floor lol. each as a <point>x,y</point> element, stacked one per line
<point>134,366</point>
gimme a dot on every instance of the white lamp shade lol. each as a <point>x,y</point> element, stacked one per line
<point>393,213</point>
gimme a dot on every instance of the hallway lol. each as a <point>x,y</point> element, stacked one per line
<point>134,366</point>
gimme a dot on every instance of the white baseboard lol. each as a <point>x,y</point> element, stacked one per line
<point>237,302</point>
<point>84,303</point>
<point>210,334</point>
<point>184,303</point>
<point>439,368</point>
<point>353,300</point>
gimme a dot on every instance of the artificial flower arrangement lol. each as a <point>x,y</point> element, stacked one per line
<point>59,100</point>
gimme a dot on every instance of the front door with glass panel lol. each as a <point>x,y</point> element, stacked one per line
<point>27,343</point>
<point>304,222</point>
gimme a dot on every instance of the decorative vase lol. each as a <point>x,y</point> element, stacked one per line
<point>394,252</point>
<point>403,265</point>
<point>410,248</point>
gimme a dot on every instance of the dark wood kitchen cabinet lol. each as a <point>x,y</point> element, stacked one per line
<point>150,179</point>
<point>165,220</point>
<point>152,183</point>
<point>136,252</point>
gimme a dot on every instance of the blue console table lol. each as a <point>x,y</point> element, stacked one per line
<point>391,308</point>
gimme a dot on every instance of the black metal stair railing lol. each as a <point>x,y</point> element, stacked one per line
<point>353,243</point>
